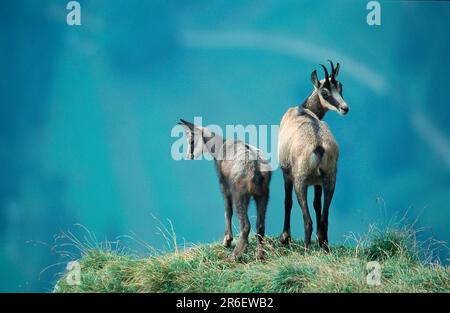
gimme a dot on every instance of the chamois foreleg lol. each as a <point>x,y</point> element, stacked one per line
<point>228,238</point>
<point>285,236</point>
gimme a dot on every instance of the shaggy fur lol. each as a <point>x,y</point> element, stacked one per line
<point>243,174</point>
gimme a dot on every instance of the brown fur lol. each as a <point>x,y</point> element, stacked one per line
<point>243,174</point>
<point>308,154</point>
<point>299,136</point>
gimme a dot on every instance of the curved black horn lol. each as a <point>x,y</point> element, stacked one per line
<point>189,124</point>
<point>332,67</point>
<point>327,77</point>
<point>333,72</point>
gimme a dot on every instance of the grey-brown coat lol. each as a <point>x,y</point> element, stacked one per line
<point>308,154</point>
<point>243,174</point>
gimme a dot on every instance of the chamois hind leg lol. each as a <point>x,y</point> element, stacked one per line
<point>328,190</point>
<point>302,197</point>
<point>261,206</point>
<point>241,203</point>
<point>318,209</point>
<point>228,238</point>
<point>285,236</point>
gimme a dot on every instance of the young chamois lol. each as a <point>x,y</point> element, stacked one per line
<point>308,154</point>
<point>243,173</point>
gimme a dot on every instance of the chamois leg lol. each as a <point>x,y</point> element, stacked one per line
<point>261,206</point>
<point>241,204</point>
<point>302,197</point>
<point>228,238</point>
<point>285,236</point>
<point>328,190</point>
<point>318,209</point>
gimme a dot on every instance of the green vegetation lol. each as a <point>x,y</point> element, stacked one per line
<point>208,268</point>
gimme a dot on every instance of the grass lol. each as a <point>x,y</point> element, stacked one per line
<point>208,268</point>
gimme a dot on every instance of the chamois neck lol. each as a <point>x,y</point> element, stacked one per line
<point>313,104</point>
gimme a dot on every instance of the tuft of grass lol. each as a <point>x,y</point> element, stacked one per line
<point>208,268</point>
<point>293,277</point>
<point>384,245</point>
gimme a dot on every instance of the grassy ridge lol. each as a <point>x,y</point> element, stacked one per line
<point>208,268</point>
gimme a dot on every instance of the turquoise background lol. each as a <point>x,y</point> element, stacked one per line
<point>86,114</point>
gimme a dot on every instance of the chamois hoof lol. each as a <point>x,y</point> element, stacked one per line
<point>260,255</point>
<point>307,248</point>
<point>236,256</point>
<point>227,241</point>
<point>238,253</point>
<point>325,247</point>
<point>285,238</point>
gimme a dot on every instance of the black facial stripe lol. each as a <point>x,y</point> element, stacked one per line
<point>330,84</point>
<point>331,100</point>
<point>326,85</point>
<point>191,143</point>
<point>191,150</point>
<point>207,139</point>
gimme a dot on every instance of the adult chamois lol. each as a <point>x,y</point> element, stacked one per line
<point>308,154</point>
<point>243,174</point>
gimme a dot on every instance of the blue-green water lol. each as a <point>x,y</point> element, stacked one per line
<point>86,114</point>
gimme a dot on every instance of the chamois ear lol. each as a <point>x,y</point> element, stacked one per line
<point>186,123</point>
<point>336,70</point>
<point>314,79</point>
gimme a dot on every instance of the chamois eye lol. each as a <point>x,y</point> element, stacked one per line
<point>324,93</point>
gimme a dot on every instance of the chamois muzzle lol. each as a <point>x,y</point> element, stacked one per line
<point>343,109</point>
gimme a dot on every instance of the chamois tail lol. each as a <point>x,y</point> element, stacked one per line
<point>316,157</point>
<point>257,177</point>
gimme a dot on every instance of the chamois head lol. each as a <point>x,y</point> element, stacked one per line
<point>329,90</point>
<point>198,139</point>
<point>194,139</point>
